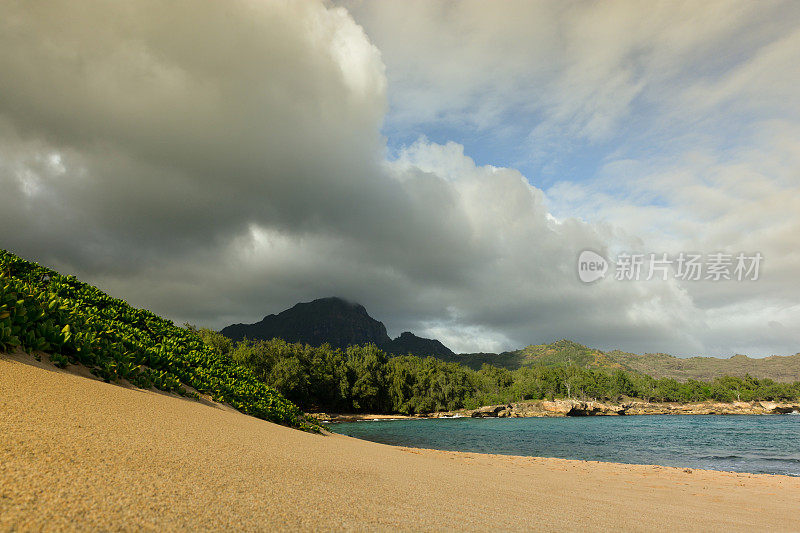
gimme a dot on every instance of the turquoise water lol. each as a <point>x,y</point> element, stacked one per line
<point>741,443</point>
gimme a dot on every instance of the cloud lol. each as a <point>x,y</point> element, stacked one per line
<point>202,107</point>
<point>219,162</point>
<point>566,75</point>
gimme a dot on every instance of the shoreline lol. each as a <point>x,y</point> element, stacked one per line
<point>575,408</point>
<point>83,454</point>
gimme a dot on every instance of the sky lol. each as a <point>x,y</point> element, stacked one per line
<point>443,164</point>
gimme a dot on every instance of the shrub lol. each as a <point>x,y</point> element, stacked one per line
<point>43,311</point>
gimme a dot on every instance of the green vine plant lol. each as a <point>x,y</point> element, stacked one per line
<point>42,311</point>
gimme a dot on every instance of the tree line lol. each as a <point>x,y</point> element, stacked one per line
<point>365,379</point>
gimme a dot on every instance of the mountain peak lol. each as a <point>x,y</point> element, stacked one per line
<point>408,343</point>
<point>331,304</point>
<point>335,321</point>
<point>331,320</point>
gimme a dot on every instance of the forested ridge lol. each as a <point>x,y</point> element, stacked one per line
<point>366,379</point>
<point>782,368</point>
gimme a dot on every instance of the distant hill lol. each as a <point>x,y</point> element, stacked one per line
<point>337,322</point>
<point>565,352</point>
<point>776,367</point>
<point>560,353</point>
<point>341,323</point>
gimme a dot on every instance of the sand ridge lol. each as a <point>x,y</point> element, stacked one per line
<point>80,454</point>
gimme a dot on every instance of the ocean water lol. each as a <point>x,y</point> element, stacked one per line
<point>741,443</point>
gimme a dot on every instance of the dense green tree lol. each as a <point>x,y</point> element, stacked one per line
<point>365,379</point>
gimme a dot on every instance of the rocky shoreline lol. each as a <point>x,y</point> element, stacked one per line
<point>560,408</point>
<point>592,408</point>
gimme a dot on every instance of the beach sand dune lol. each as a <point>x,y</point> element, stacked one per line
<point>76,453</point>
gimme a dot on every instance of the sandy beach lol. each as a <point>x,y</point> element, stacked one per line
<point>76,453</point>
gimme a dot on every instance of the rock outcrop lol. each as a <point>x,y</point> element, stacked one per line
<point>490,411</point>
<point>544,408</point>
<point>712,408</point>
<point>591,408</point>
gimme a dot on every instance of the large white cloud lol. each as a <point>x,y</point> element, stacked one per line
<point>220,161</point>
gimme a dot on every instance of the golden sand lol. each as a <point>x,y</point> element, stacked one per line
<point>76,453</point>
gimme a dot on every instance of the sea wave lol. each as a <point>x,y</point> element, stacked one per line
<point>769,459</point>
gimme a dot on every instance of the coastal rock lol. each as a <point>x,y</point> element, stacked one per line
<point>538,408</point>
<point>584,409</point>
<point>556,408</point>
<point>779,409</point>
<point>576,408</point>
<point>595,409</point>
<point>569,408</point>
<point>490,411</point>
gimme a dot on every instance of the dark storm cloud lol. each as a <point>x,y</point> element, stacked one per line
<point>217,162</point>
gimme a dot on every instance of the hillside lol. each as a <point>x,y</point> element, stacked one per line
<point>559,353</point>
<point>340,323</point>
<point>74,323</point>
<point>777,368</point>
<point>337,322</point>
<point>565,353</point>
